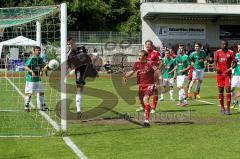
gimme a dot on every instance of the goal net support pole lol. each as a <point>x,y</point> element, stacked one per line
<point>39,43</point>
<point>63,67</point>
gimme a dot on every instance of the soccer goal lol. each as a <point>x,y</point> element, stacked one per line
<point>21,29</point>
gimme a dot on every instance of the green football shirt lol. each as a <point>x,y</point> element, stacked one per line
<point>182,62</point>
<point>237,68</point>
<point>168,65</point>
<point>198,59</point>
<point>35,64</point>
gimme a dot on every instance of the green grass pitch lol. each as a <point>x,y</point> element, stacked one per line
<point>195,132</point>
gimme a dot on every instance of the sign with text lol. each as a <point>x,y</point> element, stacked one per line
<point>181,31</point>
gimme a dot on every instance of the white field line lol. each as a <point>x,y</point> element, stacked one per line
<point>203,101</point>
<point>67,140</point>
<point>76,150</point>
<point>52,122</point>
<point>8,110</point>
<point>21,136</point>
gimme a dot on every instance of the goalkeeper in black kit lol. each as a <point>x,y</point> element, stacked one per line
<point>79,61</point>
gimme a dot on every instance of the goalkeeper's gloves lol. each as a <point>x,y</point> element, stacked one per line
<point>46,68</point>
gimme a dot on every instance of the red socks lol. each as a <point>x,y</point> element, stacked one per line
<point>228,97</point>
<point>221,100</point>
<point>147,111</point>
<point>155,100</point>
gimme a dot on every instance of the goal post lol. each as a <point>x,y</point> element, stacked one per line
<point>63,67</point>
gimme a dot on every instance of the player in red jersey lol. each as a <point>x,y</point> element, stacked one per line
<point>223,59</point>
<point>155,58</point>
<point>145,72</point>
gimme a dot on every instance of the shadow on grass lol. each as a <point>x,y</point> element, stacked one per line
<point>174,123</point>
<point>178,110</point>
<point>235,113</point>
<point>209,97</point>
<point>104,131</point>
<point>129,129</point>
<point>124,118</point>
<point>200,104</point>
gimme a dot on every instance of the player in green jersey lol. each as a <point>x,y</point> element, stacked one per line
<point>34,67</point>
<point>198,58</point>
<point>236,80</point>
<point>182,65</point>
<point>168,79</point>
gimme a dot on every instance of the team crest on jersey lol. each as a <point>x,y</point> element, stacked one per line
<point>228,56</point>
<point>179,62</point>
<point>222,59</point>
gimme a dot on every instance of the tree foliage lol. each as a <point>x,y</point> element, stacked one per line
<point>93,15</point>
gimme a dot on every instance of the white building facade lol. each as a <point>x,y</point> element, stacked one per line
<point>168,23</point>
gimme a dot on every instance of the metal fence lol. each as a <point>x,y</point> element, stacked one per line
<point>110,46</point>
<point>108,51</point>
<point>105,36</point>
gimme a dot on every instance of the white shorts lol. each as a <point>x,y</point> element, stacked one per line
<point>198,74</point>
<point>168,82</point>
<point>34,87</point>
<point>235,81</point>
<point>181,80</point>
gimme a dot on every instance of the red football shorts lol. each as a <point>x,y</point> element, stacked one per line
<point>190,73</point>
<point>223,80</point>
<point>146,89</point>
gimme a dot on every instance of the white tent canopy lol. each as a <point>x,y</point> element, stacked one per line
<point>18,41</point>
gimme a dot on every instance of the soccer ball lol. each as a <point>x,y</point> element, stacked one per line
<point>53,64</point>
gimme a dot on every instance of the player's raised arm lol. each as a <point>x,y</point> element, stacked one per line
<point>142,59</point>
<point>71,53</point>
<point>128,75</point>
<point>69,67</point>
